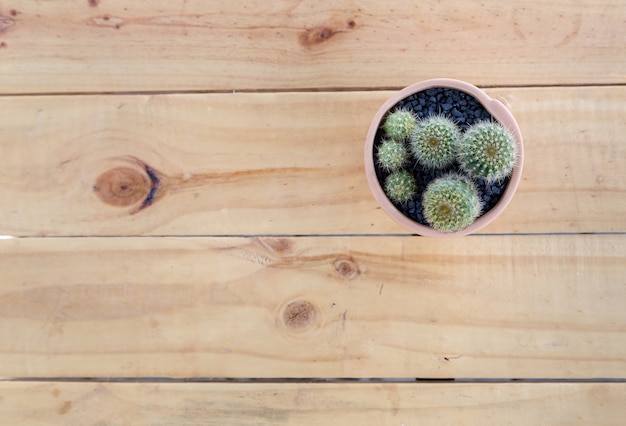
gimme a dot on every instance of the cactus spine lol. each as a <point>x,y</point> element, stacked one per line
<point>434,142</point>
<point>488,150</point>
<point>451,203</point>
<point>400,124</point>
<point>392,155</point>
<point>400,186</point>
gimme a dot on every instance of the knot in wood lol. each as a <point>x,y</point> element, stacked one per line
<point>299,314</point>
<point>6,22</point>
<point>122,186</point>
<point>317,35</point>
<point>346,267</point>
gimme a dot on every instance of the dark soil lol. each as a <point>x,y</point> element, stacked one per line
<point>465,110</point>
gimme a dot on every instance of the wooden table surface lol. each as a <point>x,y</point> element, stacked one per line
<point>261,275</point>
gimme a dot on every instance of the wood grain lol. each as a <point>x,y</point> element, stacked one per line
<point>126,120</point>
<point>528,306</point>
<point>278,163</point>
<point>69,46</point>
<point>229,404</point>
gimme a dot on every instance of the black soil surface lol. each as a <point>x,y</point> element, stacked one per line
<point>464,110</point>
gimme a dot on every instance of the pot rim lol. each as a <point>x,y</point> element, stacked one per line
<point>494,106</point>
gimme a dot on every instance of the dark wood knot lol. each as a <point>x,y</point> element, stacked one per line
<point>299,314</point>
<point>123,186</point>
<point>346,267</point>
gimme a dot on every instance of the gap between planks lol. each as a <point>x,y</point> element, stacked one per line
<point>520,234</point>
<point>278,90</point>
<point>311,380</point>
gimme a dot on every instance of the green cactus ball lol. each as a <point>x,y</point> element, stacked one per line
<point>434,142</point>
<point>400,186</point>
<point>400,124</point>
<point>391,155</point>
<point>451,203</point>
<point>488,150</point>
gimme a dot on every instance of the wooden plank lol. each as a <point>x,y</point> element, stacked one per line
<point>280,163</point>
<point>115,45</point>
<point>225,404</point>
<point>529,306</point>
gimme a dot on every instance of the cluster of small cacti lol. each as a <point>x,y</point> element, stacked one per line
<point>392,154</point>
<point>486,150</point>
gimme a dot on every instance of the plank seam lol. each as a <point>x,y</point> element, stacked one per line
<point>305,380</point>
<point>291,90</point>
<point>524,234</point>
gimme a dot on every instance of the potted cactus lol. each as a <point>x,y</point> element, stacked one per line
<point>442,158</point>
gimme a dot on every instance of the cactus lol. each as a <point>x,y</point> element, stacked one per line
<point>400,124</point>
<point>400,186</point>
<point>434,142</point>
<point>391,155</point>
<point>488,150</point>
<point>451,203</point>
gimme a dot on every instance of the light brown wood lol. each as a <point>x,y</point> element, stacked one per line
<point>221,121</point>
<point>288,163</point>
<point>529,306</point>
<point>229,404</point>
<point>71,46</point>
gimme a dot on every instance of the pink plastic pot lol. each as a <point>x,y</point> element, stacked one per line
<point>496,108</point>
